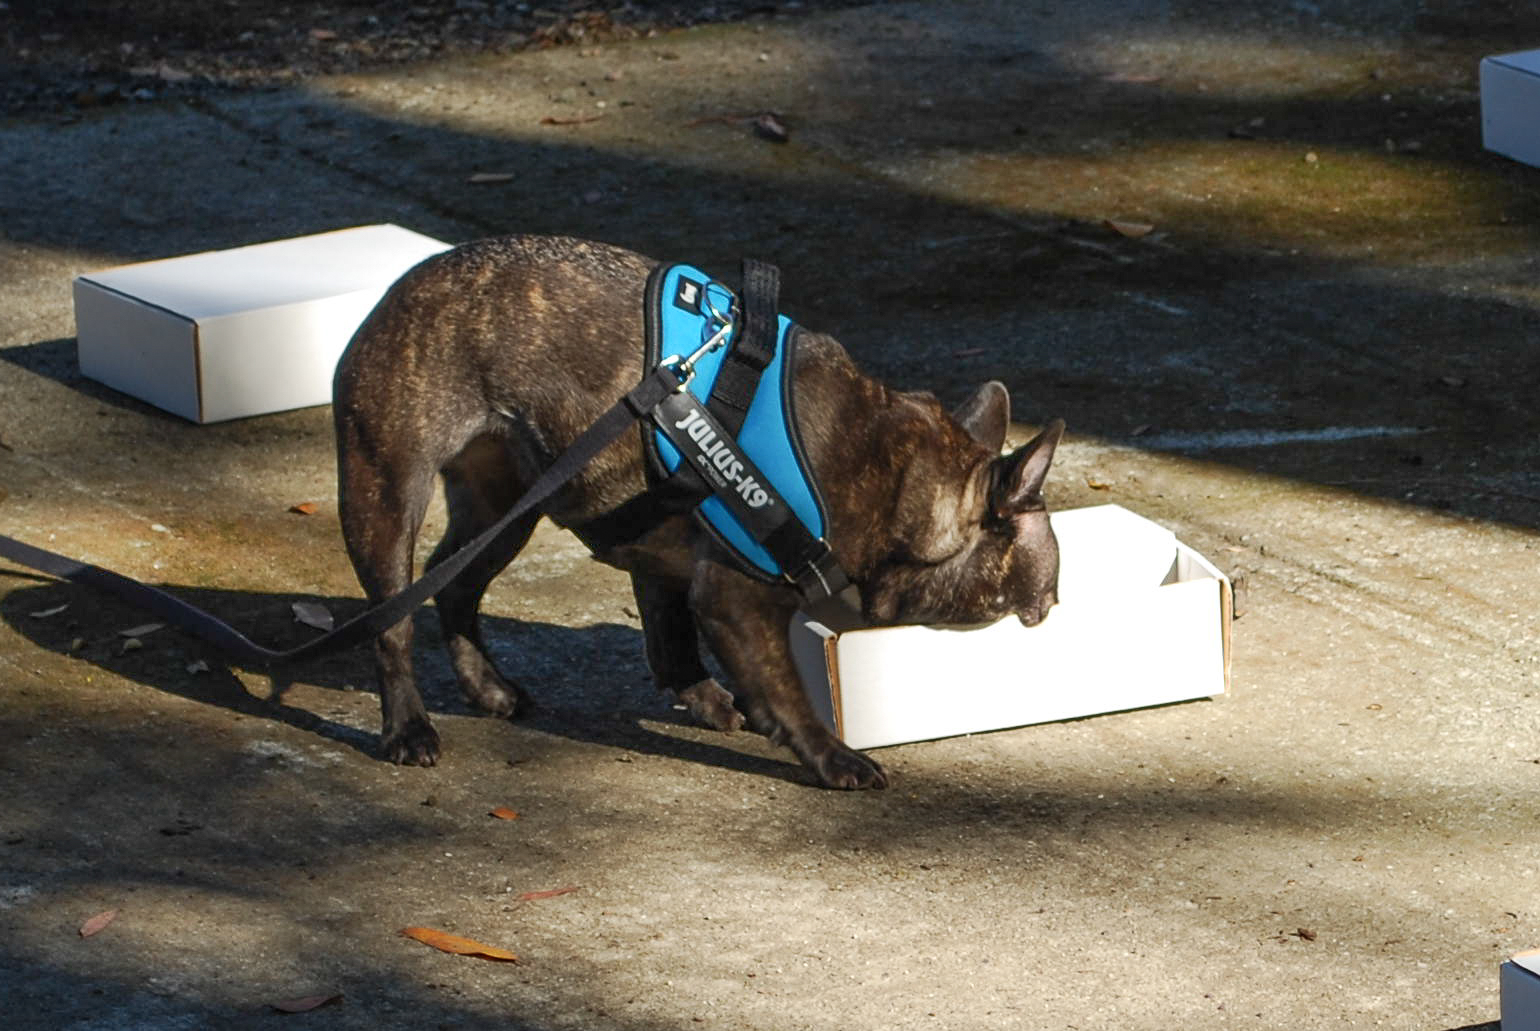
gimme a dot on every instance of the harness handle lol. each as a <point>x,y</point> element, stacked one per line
<point>753,348</point>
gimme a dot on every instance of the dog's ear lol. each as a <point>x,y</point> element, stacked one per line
<point>1019,483</point>
<point>987,415</point>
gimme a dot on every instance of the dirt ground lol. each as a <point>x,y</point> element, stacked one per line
<point>75,54</point>
<point>1256,257</point>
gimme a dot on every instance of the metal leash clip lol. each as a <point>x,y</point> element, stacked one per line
<point>711,339</point>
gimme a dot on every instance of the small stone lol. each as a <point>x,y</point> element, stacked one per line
<point>769,127</point>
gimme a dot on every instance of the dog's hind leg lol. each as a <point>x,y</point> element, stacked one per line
<point>673,652</point>
<point>381,505</point>
<point>480,485</point>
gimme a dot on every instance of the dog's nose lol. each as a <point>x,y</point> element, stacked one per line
<point>1039,612</point>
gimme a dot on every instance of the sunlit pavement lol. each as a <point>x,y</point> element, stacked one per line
<point>1257,261</point>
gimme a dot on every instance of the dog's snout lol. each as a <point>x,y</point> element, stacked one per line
<point>1038,612</point>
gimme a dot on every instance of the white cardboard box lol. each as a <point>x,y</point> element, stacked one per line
<point>226,334</point>
<point>1142,620</point>
<point>1510,105</point>
<point>1520,984</point>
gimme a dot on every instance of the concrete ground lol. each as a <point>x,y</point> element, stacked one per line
<point>1317,367</point>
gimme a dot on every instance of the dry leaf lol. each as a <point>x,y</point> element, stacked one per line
<point>445,942</point>
<point>142,630</point>
<point>306,1003</point>
<point>490,177</point>
<point>1096,484</point>
<point>45,613</point>
<point>98,923</point>
<point>313,615</point>
<point>502,812</point>
<point>303,508</point>
<point>535,896</point>
<point>1306,934</point>
<point>1132,230</point>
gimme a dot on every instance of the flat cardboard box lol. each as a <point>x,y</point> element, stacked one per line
<point>1142,620</point>
<point>1510,105</point>
<point>1520,987</point>
<point>227,334</point>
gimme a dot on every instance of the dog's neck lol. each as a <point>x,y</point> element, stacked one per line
<point>894,489</point>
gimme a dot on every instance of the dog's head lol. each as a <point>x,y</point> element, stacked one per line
<point>977,545</point>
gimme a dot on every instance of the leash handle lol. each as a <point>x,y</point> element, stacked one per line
<point>640,401</point>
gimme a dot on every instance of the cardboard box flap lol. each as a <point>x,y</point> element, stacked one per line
<point>812,654</point>
<point>1522,61</point>
<point>1510,97</point>
<point>1107,550</point>
<point>267,275</point>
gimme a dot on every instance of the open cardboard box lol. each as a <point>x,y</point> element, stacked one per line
<point>1142,620</point>
<point>226,334</point>
<point>1520,988</point>
<point>1510,105</point>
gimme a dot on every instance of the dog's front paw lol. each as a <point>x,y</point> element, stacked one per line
<point>712,706</point>
<point>849,770</point>
<point>415,744</point>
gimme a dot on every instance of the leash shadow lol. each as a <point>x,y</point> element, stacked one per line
<point>590,684</point>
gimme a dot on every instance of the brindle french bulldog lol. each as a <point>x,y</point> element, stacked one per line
<point>483,363</point>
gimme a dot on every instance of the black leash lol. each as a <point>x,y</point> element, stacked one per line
<point>639,403</point>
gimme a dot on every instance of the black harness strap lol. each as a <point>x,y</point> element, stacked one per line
<point>752,347</point>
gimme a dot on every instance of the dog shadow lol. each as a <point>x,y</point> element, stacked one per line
<point>590,684</point>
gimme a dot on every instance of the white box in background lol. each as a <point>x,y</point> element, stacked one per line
<point>1510,105</point>
<point>1142,620</point>
<point>1521,992</point>
<point>226,334</point>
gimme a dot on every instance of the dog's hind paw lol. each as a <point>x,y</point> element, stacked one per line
<point>415,744</point>
<point>712,706</point>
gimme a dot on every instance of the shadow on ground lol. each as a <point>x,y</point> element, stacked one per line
<point>590,683</point>
<point>1077,320</point>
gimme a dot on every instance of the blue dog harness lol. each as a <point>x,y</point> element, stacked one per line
<point>685,309</point>
<point>724,442</point>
